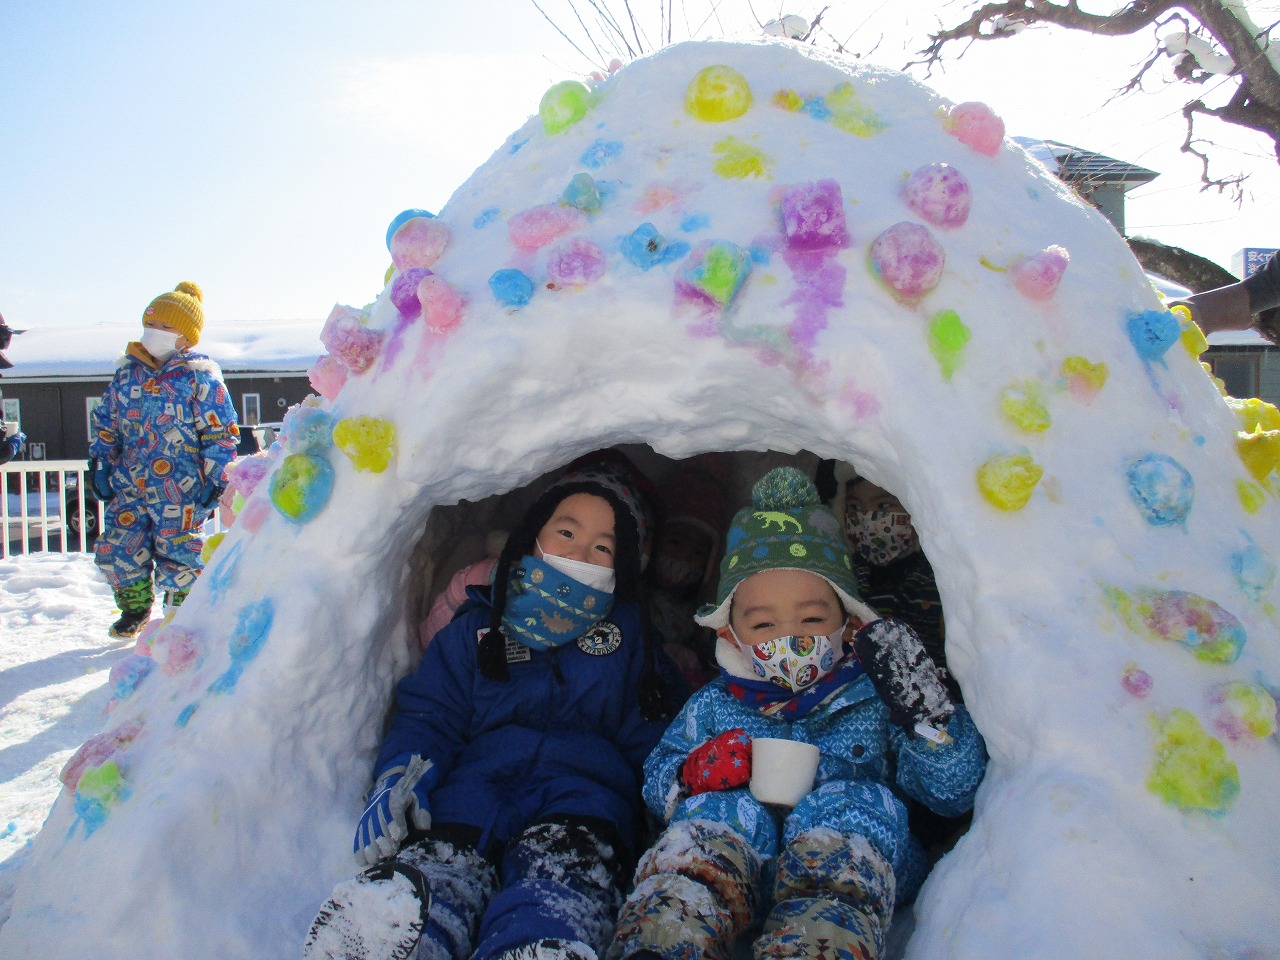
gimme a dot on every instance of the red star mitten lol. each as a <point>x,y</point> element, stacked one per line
<point>722,763</point>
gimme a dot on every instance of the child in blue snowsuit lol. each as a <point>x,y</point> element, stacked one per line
<point>163,433</point>
<point>507,789</point>
<point>823,876</point>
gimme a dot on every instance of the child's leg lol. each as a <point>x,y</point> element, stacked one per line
<point>698,889</point>
<point>178,542</point>
<point>124,551</point>
<point>559,894</point>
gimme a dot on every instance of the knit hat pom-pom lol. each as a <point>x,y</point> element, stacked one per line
<point>190,289</point>
<point>784,488</point>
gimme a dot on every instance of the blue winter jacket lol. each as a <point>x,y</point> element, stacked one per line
<point>169,426</point>
<point>564,735</point>
<point>853,733</point>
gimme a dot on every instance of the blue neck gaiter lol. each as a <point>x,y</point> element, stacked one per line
<point>546,608</point>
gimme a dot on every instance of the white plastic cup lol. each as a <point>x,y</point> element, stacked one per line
<point>782,771</point>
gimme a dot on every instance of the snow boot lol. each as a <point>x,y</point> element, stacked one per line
<point>551,949</point>
<point>378,915</point>
<point>134,602</point>
<point>173,599</point>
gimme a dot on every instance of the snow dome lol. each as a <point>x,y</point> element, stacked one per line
<point>740,247</point>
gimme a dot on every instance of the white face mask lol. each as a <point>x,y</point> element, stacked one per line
<point>794,663</point>
<point>589,574</point>
<point>161,344</point>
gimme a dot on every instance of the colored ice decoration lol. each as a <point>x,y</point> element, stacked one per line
<point>403,217</point>
<point>948,337</point>
<point>1022,404</point>
<point>224,574</point>
<point>737,160</point>
<point>841,108</point>
<point>1251,496</point>
<point>327,376</point>
<point>714,273</point>
<point>1243,711</point>
<point>511,287</point>
<point>534,228</point>
<point>368,442</point>
<point>97,750</point>
<point>975,125</point>
<point>253,625</point>
<point>1037,277</point>
<point>1083,378</point>
<point>1007,481</point>
<point>1192,337</point>
<point>1254,414</point>
<point>1254,570</point>
<point>127,674</point>
<point>575,263</point>
<point>1136,681</point>
<point>600,152</point>
<point>1162,488</point>
<point>1152,333</point>
<point>100,788</point>
<point>717,93</point>
<point>582,193</point>
<point>813,216</point>
<point>1260,453</point>
<point>441,305</point>
<point>1211,633</point>
<point>563,105</point>
<point>347,338</point>
<point>211,544</point>
<point>300,486</point>
<point>1191,770</point>
<point>404,291</point>
<point>418,242</point>
<point>940,194</point>
<point>176,649</point>
<point>306,429</point>
<point>907,259</point>
<point>645,247</point>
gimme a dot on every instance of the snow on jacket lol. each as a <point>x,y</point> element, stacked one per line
<point>169,426</point>
<point>564,735</point>
<point>853,733</point>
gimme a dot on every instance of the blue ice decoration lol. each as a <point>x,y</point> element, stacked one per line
<point>600,153</point>
<point>224,573</point>
<point>485,217</point>
<point>695,221</point>
<point>646,247</point>
<point>252,627</point>
<point>511,287</point>
<point>128,673</point>
<point>582,193</point>
<point>403,217</point>
<point>1255,572</point>
<point>1152,333</point>
<point>309,430</point>
<point>1162,489</point>
<point>187,713</point>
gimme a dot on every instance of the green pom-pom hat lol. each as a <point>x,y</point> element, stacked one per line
<point>787,527</point>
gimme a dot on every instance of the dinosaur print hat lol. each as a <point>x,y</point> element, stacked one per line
<point>786,527</point>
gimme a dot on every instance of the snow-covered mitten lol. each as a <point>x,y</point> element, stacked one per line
<point>400,793</point>
<point>722,763</point>
<point>380,913</point>
<point>903,674</point>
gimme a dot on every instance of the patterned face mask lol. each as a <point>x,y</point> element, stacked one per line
<point>881,536</point>
<point>795,663</point>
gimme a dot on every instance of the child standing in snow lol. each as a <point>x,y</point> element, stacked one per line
<point>163,433</point>
<point>507,789</point>
<point>785,612</point>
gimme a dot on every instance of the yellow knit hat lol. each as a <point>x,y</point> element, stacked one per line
<point>180,309</point>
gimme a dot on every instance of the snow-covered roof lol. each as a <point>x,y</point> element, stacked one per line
<point>241,346</point>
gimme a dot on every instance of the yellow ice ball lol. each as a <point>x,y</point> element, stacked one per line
<point>211,545</point>
<point>717,93</point>
<point>1008,480</point>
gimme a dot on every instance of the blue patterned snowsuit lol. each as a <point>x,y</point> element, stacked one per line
<point>814,849</point>
<point>562,742</point>
<point>164,430</point>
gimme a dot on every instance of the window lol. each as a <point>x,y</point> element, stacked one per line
<point>251,409</point>
<point>91,404</point>
<point>1239,371</point>
<point>12,410</point>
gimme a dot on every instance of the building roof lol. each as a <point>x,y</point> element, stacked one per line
<point>1075,165</point>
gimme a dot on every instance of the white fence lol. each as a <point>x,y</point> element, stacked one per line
<point>47,506</point>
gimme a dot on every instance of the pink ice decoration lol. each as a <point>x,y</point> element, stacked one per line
<point>98,750</point>
<point>419,243</point>
<point>940,194</point>
<point>245,473</point>
<point>253,515</point>
<point>1037,276</point>
<point>907,259</point>
<point>813,216</point>
<point>534,228</point>
<point>575,263</point>
<point>1137,681</point>
<point>176,649</point>
<point>327,375</point>
<point>442,305</point>
<point>976,126</point>
<point>346,337</point>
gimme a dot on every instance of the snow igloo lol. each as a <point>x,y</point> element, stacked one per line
<point>741,248</point>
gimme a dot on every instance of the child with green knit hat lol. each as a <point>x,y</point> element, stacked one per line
<point>803,659</point>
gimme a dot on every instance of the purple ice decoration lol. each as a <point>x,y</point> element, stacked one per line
<point>940,194</point>
<point>575,263</point>
<point>1161,488</point>
<point>404,291</point>
<point>646,247</point>
<point>347,338</point>
<point>1152,333</point>
<point>813,216</point>
<point>907,259</point>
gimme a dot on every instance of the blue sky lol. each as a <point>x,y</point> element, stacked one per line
<point>261,148</point>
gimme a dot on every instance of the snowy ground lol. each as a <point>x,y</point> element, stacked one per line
<point>55,656</point>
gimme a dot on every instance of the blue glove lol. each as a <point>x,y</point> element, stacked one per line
<point>399,795</point>
<point>15,443</point>
<point>100,479</point>
<point>210,494</point>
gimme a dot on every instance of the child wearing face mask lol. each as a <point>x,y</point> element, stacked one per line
<point>506,796</point>
<point>801,658</point>
<point>164,431</point>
